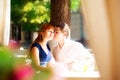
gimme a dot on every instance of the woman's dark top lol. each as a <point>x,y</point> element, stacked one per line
<point>44,57</point>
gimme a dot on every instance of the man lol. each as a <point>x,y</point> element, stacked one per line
<point>72,55</point>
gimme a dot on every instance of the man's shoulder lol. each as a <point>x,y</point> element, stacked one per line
<point>72,42</point>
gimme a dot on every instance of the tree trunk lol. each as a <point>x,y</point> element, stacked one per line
<point>60,11</point>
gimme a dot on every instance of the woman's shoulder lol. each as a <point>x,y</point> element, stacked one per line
<point>35,44</point>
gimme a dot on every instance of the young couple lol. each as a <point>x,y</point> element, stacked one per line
<point>66,51</point>
<point>40,52</point>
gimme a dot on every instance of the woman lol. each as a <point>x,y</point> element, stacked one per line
<point>39,51</point>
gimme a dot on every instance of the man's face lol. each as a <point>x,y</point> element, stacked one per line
<point>58,34</point>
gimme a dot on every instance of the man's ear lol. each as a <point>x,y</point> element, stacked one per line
<point>65,33</point>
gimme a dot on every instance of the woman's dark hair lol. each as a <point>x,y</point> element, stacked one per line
<point>42,29</point>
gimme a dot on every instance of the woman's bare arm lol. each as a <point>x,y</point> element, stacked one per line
<point>35,58</point>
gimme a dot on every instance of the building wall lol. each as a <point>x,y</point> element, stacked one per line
<point>75,26</point>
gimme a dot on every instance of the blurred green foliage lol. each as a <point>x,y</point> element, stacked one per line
<point>31,13</point>
<point>13,69</point>
<point>75,5</point>
<point>6,63</point>
<point>6,58</point>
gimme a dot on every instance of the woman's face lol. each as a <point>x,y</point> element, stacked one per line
<point>58,34</point>
<point>48,34</point>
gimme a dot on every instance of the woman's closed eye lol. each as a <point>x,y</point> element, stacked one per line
<point>50,31</point>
